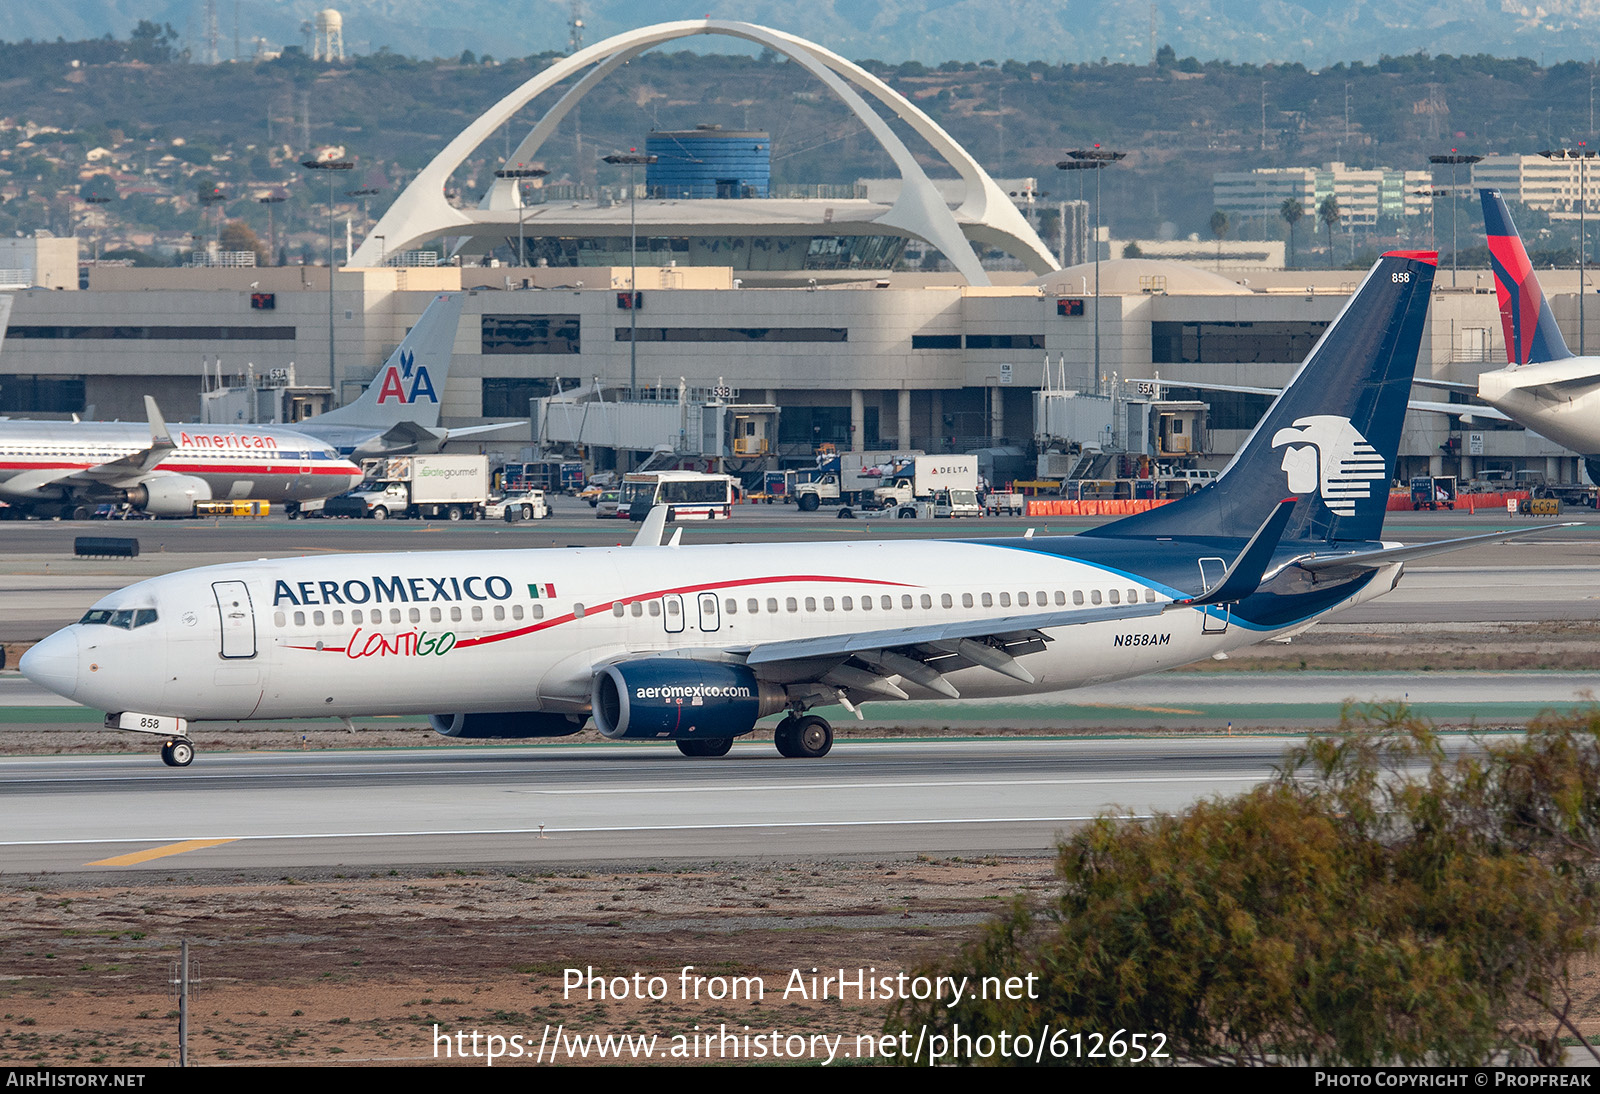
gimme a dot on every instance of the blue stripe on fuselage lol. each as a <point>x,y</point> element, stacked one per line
<point>1172,567</point>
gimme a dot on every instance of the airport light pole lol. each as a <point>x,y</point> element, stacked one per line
<point>332,166</point>
<point>1093,159</point>
<point>277,197</point>
<point>520,173</point>
<point>1582,154</point>
<point>1435,192</point>
<point>94,200</point>
<point>1455,160</point>
<point>633,158</point>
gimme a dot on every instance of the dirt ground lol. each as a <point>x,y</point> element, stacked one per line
<point>403,968</point>
<point>360,970</point>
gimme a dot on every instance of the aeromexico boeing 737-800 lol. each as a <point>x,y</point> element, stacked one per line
<point>62,468</point>
<point>695,644</point>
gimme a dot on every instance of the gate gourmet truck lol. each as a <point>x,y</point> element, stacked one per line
<point>420,487</point>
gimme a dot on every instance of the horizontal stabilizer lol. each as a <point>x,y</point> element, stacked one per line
<point>1371,560</point>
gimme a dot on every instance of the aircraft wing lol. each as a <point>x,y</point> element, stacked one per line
<point>1242,389</point>
<point>859,665</point>
<point>134,468</point>
<point>1342,565</point>
<point>1465,410</point>
<point>923,654</point>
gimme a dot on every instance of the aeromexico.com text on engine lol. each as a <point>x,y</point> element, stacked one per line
<point>693,691</point>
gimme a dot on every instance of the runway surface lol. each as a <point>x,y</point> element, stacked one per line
<point>590,803</point>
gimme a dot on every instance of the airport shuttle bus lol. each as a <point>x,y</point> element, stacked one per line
<point>688,495</point>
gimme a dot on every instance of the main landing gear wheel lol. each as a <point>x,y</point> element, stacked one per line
<point>706,746</point>
<point>808,738</point>
<point>177,753</point>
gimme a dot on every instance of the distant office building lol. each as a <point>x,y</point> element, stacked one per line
<point>1364,196</point>
<point>1550,186</point>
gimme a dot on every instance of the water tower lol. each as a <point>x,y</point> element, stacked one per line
<point>329,44</point>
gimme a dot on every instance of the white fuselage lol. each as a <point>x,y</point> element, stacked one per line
<point>485,631</point>
<point>36,459</point>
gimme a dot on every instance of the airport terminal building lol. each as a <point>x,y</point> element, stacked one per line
<point>741,299</point>
<point>938,367</point>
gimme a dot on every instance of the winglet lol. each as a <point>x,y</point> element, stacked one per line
<point>160,436</point>
<point>653,528</point>
<point>1244,576</point>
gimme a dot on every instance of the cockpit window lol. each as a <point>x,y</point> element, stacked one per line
<point>126,618</point>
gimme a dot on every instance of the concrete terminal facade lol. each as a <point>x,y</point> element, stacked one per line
<point>914,363</point>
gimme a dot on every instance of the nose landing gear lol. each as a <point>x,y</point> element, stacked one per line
<point>177,752</point>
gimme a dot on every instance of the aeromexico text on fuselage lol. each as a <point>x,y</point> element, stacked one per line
<point>396,589</point>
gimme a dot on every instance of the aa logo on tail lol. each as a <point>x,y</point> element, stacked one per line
<point>394,384</point>
<point>1329,456</point>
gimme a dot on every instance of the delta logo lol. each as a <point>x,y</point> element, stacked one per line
<point>406,383</point>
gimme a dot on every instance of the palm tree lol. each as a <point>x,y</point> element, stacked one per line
<point>1219,228</point>
<point>1291,211</point>
<point>1329,212</point>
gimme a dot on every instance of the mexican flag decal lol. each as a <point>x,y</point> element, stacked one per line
<point>546,592</point>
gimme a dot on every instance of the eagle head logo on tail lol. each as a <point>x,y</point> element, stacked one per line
<point>1328,455</point>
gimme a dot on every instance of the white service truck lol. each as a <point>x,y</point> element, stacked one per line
<point>920,479</point>
<point>849,478</point>
<point>420,487</point>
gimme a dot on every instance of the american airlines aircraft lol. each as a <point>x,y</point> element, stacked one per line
<point>696,644</point>
<point>398,414</point>
<point>62,468</point>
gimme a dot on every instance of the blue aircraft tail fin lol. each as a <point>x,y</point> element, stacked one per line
<point>1332,435</point>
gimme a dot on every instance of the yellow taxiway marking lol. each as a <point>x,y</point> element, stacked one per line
<point>160,852</point>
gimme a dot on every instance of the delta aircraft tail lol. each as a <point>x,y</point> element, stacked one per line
<point>1332,436</point>
<point>1530,329</point>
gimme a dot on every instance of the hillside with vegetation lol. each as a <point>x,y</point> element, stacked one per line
<point>132,122</point>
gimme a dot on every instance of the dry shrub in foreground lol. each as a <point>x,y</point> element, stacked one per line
<point>1386,898</point>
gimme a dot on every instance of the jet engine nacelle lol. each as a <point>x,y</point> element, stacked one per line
<point>679,699</point>
<point>516,725</point>
<point>170,495</point>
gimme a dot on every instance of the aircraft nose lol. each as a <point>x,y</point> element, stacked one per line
<point>53,663</point>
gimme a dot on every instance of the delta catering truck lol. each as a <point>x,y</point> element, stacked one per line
<point>951,479</point>
<point>421,487</point>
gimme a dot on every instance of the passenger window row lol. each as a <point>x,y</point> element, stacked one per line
<point>372,617</point>
<point>771,605</point>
